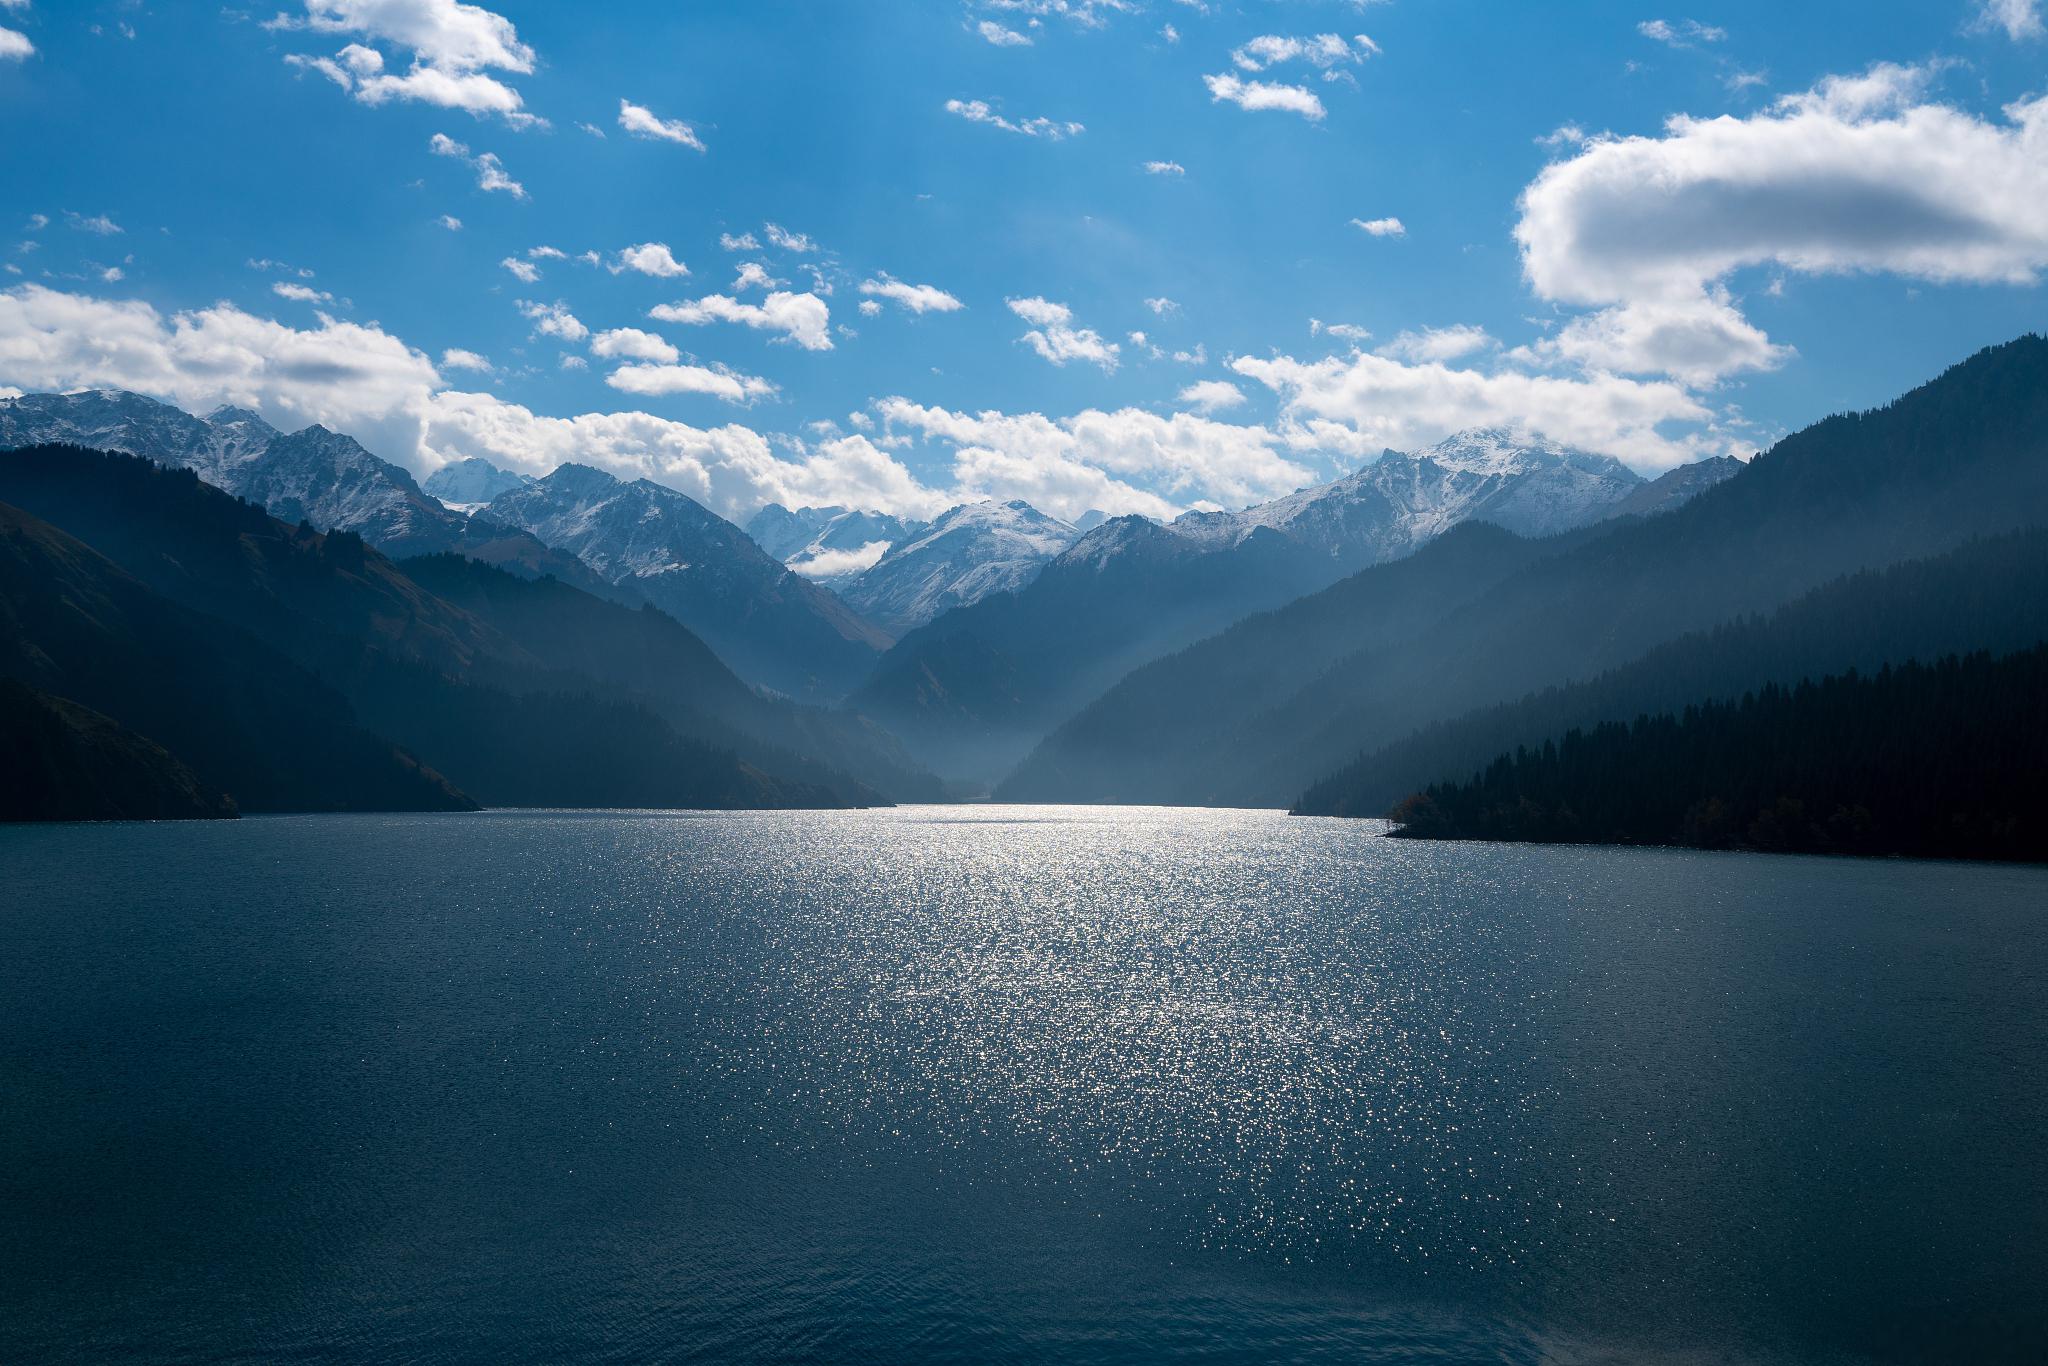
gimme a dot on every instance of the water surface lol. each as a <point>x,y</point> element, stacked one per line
<point>1008,1084</point>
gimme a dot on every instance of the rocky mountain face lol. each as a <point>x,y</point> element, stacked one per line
<point>771,625</point>
<point>315,475</point>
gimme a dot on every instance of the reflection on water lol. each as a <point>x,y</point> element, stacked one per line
<point>1008,1084</point>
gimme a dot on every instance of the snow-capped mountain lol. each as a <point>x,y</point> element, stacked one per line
<point>769,624</point>
<point>828,545</point>
<point>468,484</point>
<point>314,475</point>
<point>962,557</point>
<point>1400,501</point>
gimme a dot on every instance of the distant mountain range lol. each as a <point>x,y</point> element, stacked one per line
<point>1276,702</point>
<point>972,692</point>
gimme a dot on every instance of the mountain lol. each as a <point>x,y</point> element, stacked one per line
<point>827,544</point>
<point>771,625</point>
<point>314,475</point>
<point>973,691</point>
<point>964,556</point>
<point>1963,456</point>
<point>533,693</point>
<point>471,483</point>
<point>1675,487</point>
<point>1941,760</point>
<point>65,762</point>
<point>238,714</point>
<point>1987,594</point>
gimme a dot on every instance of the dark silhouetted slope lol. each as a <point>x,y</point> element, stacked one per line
<point>65,762</point>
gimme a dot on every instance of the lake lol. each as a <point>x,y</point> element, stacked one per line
<point>989,1084</point>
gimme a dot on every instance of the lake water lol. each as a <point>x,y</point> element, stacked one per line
<point>1008,1084</point>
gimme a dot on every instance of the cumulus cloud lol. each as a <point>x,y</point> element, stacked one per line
<point>1380,227</point>
<point>633,344</point>
<point>524,271</point>
<point>753,275</point>
<point>830,564</point>
<point>779,236</point>
<point>1212,395</point>
<point>1068,465</point>
<point>356,378</point>
<point>15,46</point>
<point>801,318</point>
<point>1225,87</point>
<point>452,47</point>
<point>1165,168</point>
<point>455,358</point>
<point>1860,174</point>
<point>995,33</point>
<point>649,258</point>
<point>450,222</point>
<point>715,381</point>
<point>1161,305</point>
<point>916,298</point>
<point>980,111</point>
<point>99,224</point>
<point>644,123</point>
<point>553,320</point>
<point>1362,403</point>
<point>745,241</point>
<point>1055,337</point>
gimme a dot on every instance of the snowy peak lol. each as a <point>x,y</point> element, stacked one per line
<point>468,483</point>
<point>963,556</point>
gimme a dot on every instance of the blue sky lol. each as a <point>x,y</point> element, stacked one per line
<point>1852,197</point>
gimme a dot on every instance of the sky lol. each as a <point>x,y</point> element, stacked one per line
<point>1128,255</point>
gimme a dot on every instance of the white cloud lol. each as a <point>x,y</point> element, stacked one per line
<point>871,308</point>
<point>490,172</point>
<point>1324,51</point>
<point>355,378</point>
<point>296,293</point>
<point>1165,168</point>
<point>1069,465</point>
<point>745,241</point>
<point>980,111</point>
<point>634,344</point>
<point>570,361</point>
<point>1350,332</point>
<point>451,45</point>
<point>554,320</point>
<point>916,298</point>
<point>1860,174</point>
<point>1362,403</point>
<point>1212,395</point>
<point>650,258</point>
<point>98,224</point>
<point>1380,227</point>
<point>1055,337</point>
<point>1263,95</point>
<point>1684,33</point>
<point>715,381</point>
<point>1438,343</point>
<point>15,46</point>
<point>1162,305</point>
<point>450,222</point>
<point>779,236</point>
<point>753,275</point>
<point>2019,18</point>
<point>644,123</point>
<point>802,318</point>
<point>830,564</point>
<point>995,33</point>
<point>525,271</point>
<point>455,358</point>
